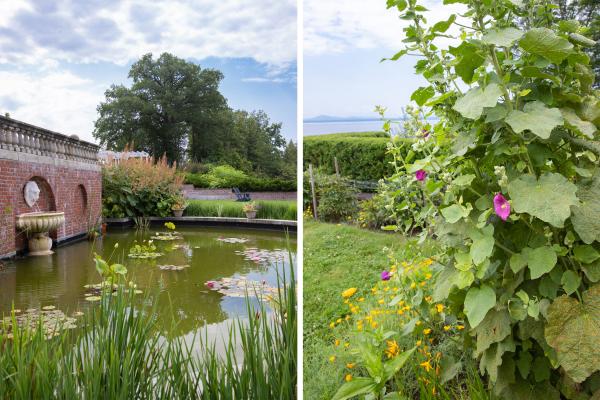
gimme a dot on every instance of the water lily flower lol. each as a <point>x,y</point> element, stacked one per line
<point>501,207</point>
<point>210,284</point>
<point>421,175</point>
<point>385,276</point>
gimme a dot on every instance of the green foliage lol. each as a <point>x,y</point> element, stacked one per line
<point>174,108</point>
<point>526,131</point>
<point>267,209</point>
<point>111,273</point>
<point>136,187</point>
<point>227,177</point>
<point>336,199</point>
<point>117,353</point>
<point>360,156</point>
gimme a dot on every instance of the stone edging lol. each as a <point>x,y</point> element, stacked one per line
<point>213,221</point>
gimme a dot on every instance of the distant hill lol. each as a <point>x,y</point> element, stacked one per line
<point>330,118</point>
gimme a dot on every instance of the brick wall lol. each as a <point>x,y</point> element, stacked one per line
<point>76,190</point>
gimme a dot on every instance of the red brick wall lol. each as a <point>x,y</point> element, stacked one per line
<point>77,192</point>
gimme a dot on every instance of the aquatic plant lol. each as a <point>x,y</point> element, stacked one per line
<point>146,249</point>
<point>118,353</point>
<point>170,226</point>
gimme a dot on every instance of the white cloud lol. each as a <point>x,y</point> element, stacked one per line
<point>36,31</point>
<point>334,27</point>
<point>59,101</point>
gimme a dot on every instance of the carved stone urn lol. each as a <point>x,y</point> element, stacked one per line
<point>37,226</point>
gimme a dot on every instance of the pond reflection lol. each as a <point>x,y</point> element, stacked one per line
<point>180,296</point>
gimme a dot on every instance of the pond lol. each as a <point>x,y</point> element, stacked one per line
<point>201,255</point>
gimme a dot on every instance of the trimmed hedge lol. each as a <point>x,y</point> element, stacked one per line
<point>360,156</point>
<point>246,184</point>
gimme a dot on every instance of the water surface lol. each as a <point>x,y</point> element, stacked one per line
<point>58,280</point>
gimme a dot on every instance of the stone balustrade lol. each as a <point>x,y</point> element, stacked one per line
<point>20,137</point>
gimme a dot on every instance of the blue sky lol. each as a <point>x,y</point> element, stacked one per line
<point>343,46</point>
<point>58,57</point>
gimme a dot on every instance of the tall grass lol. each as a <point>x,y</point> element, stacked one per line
<point>268,209</point>
<point>118,354</point>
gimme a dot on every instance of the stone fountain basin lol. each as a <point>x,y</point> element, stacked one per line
<point>40,222</point>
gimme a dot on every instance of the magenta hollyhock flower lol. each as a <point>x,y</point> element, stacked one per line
<point>421,175</point>
<point>501,207</point>
<point>385,276</point>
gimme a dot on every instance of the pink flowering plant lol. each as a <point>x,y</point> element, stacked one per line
<point>511,189</point>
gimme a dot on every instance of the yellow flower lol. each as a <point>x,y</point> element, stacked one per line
<point>346,344</point>
<point>347,318</point>
<point>338,320</point>
<point>332,325</point>
<point>337,342</point>
<point>348,378</point>
<point>350,365</point>
<point>447,327</point>
<point>426,331</point>
<point>361,299</point>
<point>460,327</point>
<point>428,276</point>
<point>381,301</point>
<point>349,292</point>
<point>413,285</point>
<point>423,283</point>
<point>331,359</point>
<point>439,307</point>
<point>392,348</point>
<point>426,365</point>
<point>373,324</point>
<point>418,323</point>
<point>419,342</point>
<point>428,299</point>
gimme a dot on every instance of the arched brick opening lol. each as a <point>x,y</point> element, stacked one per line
<point>47,201</point>
<point>80,202</point>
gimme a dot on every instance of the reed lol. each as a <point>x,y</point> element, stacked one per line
<point>117,353</point>
<point>268,209</point>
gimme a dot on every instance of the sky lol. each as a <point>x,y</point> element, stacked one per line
<point>343,46</point>
<point>57,58</point>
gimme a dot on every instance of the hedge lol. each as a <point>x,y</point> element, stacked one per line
<point>267,209</point>
<point>360,156</point>
<point>247,184</point>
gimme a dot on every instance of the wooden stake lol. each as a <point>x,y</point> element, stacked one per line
<point>312,189</point>
<point>337,168</point>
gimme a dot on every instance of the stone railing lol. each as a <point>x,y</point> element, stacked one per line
<point>20,137</point>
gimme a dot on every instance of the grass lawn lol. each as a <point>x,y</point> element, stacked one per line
<point>335,257</point>
<point>268,209</point>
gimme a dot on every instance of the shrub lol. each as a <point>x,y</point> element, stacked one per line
<point>225,177</point>
<point>138,187</point>
<point>337,200</point>
<point>360,158</point>
<point>517,212</point>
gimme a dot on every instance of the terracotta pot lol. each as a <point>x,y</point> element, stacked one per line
<point>103,229</point>
<point>178,213</point>
<point>250,214</point>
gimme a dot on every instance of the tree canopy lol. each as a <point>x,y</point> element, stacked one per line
<point>174,108</point>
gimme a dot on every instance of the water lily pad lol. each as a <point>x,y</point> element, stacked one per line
<point>48,308</point>
<point>232,240</point>
<point>242,286</point>
<point>93,298</point>
<point>173,267</point>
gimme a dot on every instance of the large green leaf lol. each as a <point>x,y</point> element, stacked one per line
<point>550,198</point>
<point>422,94</point>
<point>586,216</point>
<point>455,212</point>
<point>573,330</point>
<point>502,37</point>
<point>535,117</point>
<point>492,357</point>
<point>576,124</point>
<point>354,388</point>
<point>494,328</point>
<point>541,261</point>
<point>470,57</point>
<point>471,105</point>
<point>483,243</point>
<point>478,302</point>
<point>545,43</point>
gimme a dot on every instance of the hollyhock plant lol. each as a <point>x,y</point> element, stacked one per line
<point>501,207</point>
<point>385,276</point>
<point>421,175</point>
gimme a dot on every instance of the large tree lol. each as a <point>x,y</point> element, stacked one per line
<point>587,12</point>
<point>171,103</point>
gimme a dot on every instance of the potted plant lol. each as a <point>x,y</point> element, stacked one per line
<point>179,205</point>
<point>250,209</point>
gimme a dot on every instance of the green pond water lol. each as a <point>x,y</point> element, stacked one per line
<point>181,296</point>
